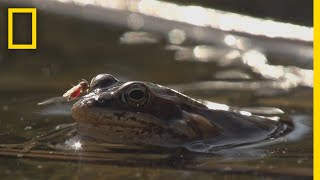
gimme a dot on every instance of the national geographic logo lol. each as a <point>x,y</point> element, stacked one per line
<point>23,11</point>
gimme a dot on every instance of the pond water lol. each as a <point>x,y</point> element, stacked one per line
<point>79,49</point>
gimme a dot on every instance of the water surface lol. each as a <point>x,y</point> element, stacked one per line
<point>247,77</point>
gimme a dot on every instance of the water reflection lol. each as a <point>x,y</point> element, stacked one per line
<point>254,58</point>
<point>232,74</point>
<point>177,36</point>
<point>254,61</point>
<point>233,59</point>
<point>77,145</point>
<point>135,21</point>
<point>201,16</point>
<point>204,52</point>
<point>139,38</point>
<point>248,62</point>
<point>230,40</point>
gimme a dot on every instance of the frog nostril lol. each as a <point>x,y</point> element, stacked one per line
<point>103,98</point>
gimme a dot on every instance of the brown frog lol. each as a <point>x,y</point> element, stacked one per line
<point>138,112</point>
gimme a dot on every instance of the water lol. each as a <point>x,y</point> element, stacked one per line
<point>204,71</point>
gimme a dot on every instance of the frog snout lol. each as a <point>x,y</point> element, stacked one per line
<point>79,111</point>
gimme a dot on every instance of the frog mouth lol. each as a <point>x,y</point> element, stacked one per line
<point>120,123</point>
<point>114,118</point>
<point>93,115</point>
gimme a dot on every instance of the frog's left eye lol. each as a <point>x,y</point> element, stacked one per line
<point>136,95</point>
<point>103,81</point>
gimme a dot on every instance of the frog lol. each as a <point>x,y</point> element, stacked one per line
<point>145,113</point>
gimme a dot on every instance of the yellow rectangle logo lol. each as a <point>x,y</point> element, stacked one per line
<point>33,12</point>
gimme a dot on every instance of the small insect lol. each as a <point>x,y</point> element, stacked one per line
<point>77,90</point>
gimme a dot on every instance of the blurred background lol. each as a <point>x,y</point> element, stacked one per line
<point>243,53</point>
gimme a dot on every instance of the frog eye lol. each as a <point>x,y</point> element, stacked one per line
<point>103,81</point>
<point>136,95</point>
